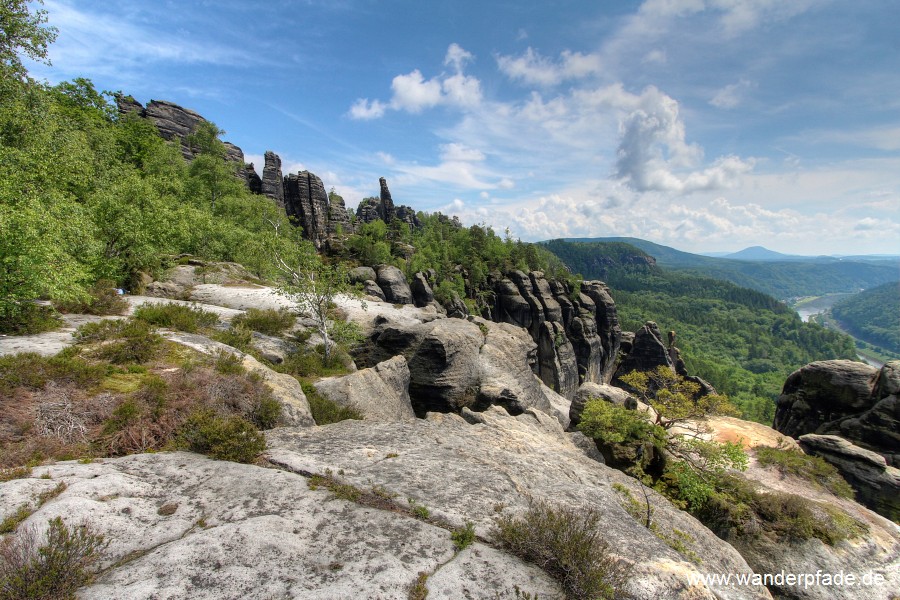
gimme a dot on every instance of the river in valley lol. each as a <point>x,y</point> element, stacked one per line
<point>814,306</point>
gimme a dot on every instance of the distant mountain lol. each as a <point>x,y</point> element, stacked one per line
<point>787,278</point>
<point>760,253</point>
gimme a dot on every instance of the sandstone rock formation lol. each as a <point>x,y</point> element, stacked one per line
<point>380,393</point>
<point>393,283</point>
<point>383,208</point>
<point>306,204</point>
<point>577,340</point>
<point>254,182</point>
<point>648,351</point>
<point>272,180</point>
<point>176,123</point>
<point>850,399</point>
<point>386,207</point>
<point>456,364</point>
<point>338,217</point>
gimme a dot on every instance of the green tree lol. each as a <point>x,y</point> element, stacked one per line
<point>676,400</point>
<point>22,32</point>
<point>696,467</point>
<point>310,283</point>
<point>212,174</point>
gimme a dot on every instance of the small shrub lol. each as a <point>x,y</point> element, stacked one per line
<point>228,363</point>
<point>738,508</point>
<point>811,468</point>
<point>566,543</point>
<point>267,412</point>
<point>14,473</point>
<point>419,511</point>
<point>463,537</point>
<point>266,321</point>
<point>103,299</point>
<point>308,362</point>
<point>325,411</point>
<point>176,316</point>
<point>30,319</point>
<point>237,336</point>
<point>122,341</point>
<point>11,522</point>
<point>53,569</point>
<point>222,438</point>
<point>33,371</point>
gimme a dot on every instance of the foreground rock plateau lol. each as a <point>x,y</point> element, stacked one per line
<point>458,429</point>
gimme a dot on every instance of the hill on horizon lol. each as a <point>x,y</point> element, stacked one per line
<point>784,278</point>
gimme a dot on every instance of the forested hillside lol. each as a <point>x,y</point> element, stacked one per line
<point>781,279</point>
<point>743,341</point>
<point>873,315</point>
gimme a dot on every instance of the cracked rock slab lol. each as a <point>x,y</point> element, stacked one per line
<point>180,525</point>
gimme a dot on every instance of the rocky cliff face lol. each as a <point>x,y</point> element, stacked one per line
<point>578,339</point>
<point>272,180</point>
<point>839,397</point>
<point>383,208</point>
<point>306,204</point>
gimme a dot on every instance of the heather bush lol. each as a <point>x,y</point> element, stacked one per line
<point>566,543</point>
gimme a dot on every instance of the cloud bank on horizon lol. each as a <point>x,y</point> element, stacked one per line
<point>701,124</point>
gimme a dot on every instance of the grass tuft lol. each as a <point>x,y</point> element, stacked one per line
<point>463,537</point>
<point>325,411</point>
<point>176,316</point>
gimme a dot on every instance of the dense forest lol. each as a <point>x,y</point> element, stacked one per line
<point>741,340</point>
<point>873,315</point>
<point>781,279</point>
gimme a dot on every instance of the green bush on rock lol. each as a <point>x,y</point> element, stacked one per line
<point>222,438</point>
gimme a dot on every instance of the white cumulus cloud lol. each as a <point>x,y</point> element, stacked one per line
<point>413,93</point>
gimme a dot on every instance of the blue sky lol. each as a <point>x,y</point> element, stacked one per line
<point>707,125</point>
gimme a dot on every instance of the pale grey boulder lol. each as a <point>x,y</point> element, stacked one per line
<point>380,393</point>
<point>393,282</point>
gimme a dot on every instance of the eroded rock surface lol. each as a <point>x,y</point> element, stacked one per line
<point>877,483</point>
<point>464,472</point>
<point>578,340</point>
<point>183,526</point>
<point>456,363</point>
